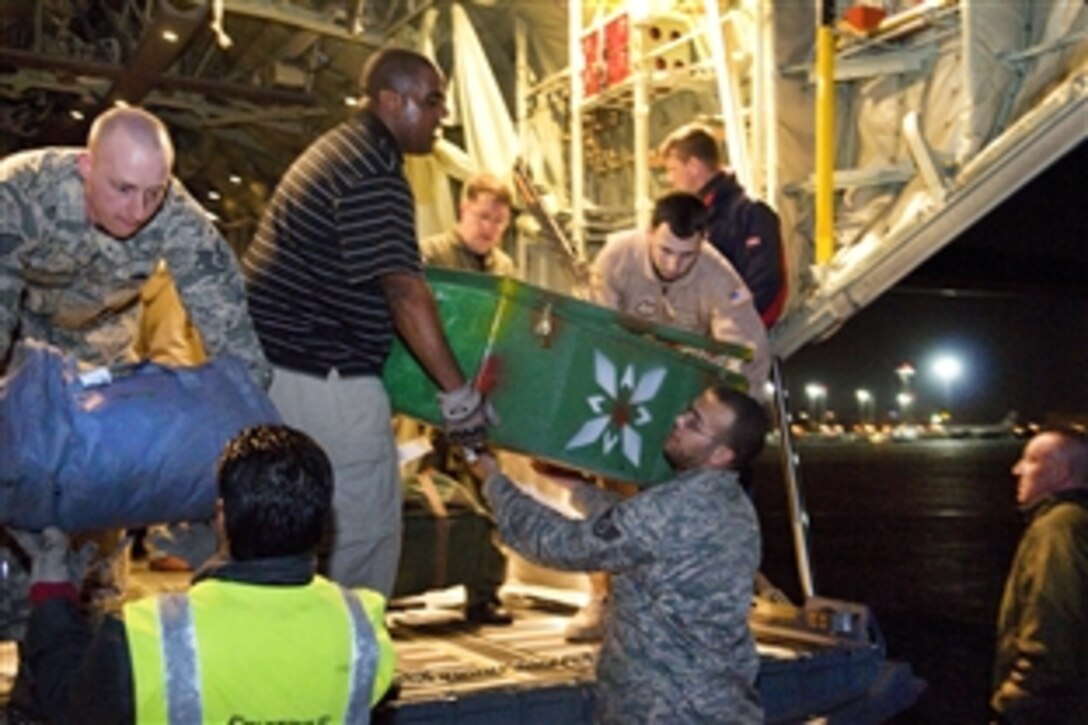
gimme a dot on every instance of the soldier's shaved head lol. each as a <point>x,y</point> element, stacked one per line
<point>136,125</point>
<point>125,170</point>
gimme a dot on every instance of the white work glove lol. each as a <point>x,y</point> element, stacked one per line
<point>51,558</point>
<point>467,415</point>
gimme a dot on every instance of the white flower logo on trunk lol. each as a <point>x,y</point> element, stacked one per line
<point>620,410</point>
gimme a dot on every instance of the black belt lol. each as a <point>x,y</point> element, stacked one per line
<point>323,370</point>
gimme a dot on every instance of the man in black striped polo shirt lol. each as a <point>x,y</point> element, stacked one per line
<point>332,272</point>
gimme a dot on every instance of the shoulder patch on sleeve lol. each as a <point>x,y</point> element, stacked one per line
<point>605,528</point>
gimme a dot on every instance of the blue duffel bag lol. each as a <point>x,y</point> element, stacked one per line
<point>127,447</point>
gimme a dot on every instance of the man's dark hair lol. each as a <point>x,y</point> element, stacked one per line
<point>696,140</point>
<point>392,69</point>
<point>276,485</point>
<point>685,213</point>
<point>749,430</point>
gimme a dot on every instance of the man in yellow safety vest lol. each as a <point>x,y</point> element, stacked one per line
<point>258,637</point>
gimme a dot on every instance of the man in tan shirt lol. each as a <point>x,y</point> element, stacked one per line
<point>475,243</point>
<point>668,274</point>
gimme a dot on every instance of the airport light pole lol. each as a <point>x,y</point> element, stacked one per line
<point>865,400</point>
<point>816,393</point>
<point>905,372</point>
<point>905,400</point>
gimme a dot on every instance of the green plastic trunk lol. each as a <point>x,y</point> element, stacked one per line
<point>574,383</point>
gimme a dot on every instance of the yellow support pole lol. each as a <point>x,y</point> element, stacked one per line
<point>825,134</point>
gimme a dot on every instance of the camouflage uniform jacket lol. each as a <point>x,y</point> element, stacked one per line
<point>677,647</point>
<point>65,282</point>
<point>449,250</point>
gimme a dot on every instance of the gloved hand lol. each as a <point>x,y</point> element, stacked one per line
<point>51,559</point>
<point>467,415</point>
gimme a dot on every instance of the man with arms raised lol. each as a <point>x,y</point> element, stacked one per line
<point>683,555</point>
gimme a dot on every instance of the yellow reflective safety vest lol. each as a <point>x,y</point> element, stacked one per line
<point>232,652</point>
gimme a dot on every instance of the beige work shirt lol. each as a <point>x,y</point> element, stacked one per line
<point>711,299</point>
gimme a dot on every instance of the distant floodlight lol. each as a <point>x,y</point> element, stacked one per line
<point>947,368</point>
<point>816,393</point>
<point>865,400</point>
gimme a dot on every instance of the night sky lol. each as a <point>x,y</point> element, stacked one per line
<point>1009,297</point>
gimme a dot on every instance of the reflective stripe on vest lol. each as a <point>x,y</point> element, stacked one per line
<point>365,662</point>
<point>183,700</point>
<point>179,650</point>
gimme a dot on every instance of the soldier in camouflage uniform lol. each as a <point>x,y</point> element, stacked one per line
<point>677,647</point>
<point>82,230</point>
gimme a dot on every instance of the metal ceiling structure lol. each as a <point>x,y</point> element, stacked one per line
<point>244,85</point>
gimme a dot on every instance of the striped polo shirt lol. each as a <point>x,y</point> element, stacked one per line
<point>342,217</point>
